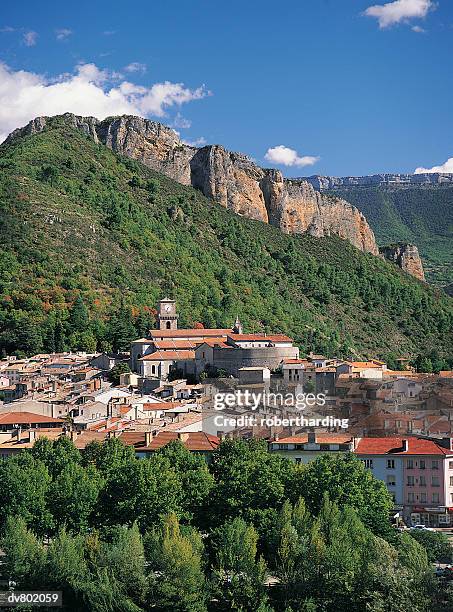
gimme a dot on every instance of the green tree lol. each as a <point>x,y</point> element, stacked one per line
<point>177,581</point>
<point>347,482</point>
<point>116,371</point>
<point>196,480</point>
<point>140,491</point>
<point>23,553</point>
<point>24,491</point>
<point>73,497</point>
<point>436,544</point>
<point>108,456</point>
<point>249,481</point>
<point>238,574</point>
<point>56,455</point>
<point>79,320</point>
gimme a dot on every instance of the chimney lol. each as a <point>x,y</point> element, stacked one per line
<point>311,437</point>
<point>405,446</point>
<point>31,435</point>
<point>183,436</point>
<point>148,438</point>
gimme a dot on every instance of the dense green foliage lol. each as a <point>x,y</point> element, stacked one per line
<point>117,534</point>
<point>421,215</point>
<point>437,545</point>
<point>91,240</point>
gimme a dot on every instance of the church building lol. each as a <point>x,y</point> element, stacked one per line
<point>191,351</point>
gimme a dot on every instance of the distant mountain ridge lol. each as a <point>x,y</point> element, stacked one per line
<point>230,179</point>
<point>415,209</point>
<point>322,183</point>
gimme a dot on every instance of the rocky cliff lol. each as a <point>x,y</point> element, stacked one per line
<point>324,183</point>
<point>405,256</point>
<point>231,179</point>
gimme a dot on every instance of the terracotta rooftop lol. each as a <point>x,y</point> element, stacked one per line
<point>164,345</point>
<point>189,333</point>
<point>259,338</point>
<point>162,406</point>
<point>26,418</point>
<point>194,441</point>
<point>393,446</point>
<point>168,356</point>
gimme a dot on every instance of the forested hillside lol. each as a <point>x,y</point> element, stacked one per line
<point>422,215</point>
<point>91,240</point>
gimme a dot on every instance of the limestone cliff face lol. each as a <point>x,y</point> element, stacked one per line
<point>407,257</point>
<point>231,179</point>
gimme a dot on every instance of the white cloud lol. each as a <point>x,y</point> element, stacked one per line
<point>399,11</point>
<point>135,67</point>
<point>285,156</point>
<point>88,91</point>
<point>198,142</point>
<point>446,167</point>
<point>418,29</point>
<point>63,33</point>
<point>30,38</point>
<point>181,122</point>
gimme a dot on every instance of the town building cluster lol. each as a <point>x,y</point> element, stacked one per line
<point>400,422</point>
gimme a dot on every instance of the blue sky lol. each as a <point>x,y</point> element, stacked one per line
<point>319,77</point>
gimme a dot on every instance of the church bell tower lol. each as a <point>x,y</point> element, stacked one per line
<point>166,314</point>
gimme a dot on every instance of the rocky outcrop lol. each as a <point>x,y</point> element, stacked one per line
<point>324,183</point>
<point>231,179</point>
<point>405,256</point>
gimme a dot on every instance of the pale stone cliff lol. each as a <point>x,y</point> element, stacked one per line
<point>324,183</point>
<point>407,257</point>
<point>231,179</point>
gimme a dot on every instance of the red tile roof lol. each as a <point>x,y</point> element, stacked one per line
<point>165,345</point>
<point>189,333</point>
<point>393,446</point>
<point>194,441</point>
<point>161,405</point>
<point>259,338</point>
<point>169,356</point>
<point>26,418</point>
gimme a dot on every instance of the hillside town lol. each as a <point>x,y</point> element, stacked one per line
<point>398,422</point>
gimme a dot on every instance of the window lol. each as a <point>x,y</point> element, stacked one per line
<point>153,369</point>
<point>435,481</point>
<point>435,498</point>
<point>422,481</point>
<point>368,463</point>
<point>168,325</point>
<point>391,481</point>
<point>451,481</point>
<point>410,481</point>
<point>390,464</point>
<point>423,497</point>
<point>422,464</point>
<point>410,498</point>
<point>410,464</point>
<point>435,465</point>
<point>450,465</point>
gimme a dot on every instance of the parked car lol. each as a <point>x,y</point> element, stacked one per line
<point>422,527</point>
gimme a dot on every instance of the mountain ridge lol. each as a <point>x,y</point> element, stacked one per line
<point>325,182</point>
<point>90,240</point>
<point>229,178</point>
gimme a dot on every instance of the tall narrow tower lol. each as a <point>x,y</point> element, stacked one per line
<point>237,327</point>
<point>166,314</point>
